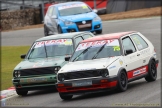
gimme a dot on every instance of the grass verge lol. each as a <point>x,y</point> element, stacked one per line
<point>10,57</point>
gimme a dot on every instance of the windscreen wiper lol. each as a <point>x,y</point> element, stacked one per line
<point>99,51</point>
<point>84,51</point>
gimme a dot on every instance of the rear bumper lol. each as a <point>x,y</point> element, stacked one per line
<point>98,85</point>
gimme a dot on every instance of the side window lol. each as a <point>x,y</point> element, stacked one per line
<point>77,40</point>
<point>49,12</point>
<point>139,41</point>
<point>54,11</point>
<point>86,36</point>
<point>127,44</point>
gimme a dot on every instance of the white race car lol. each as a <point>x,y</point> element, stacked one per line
<point>107,61</point>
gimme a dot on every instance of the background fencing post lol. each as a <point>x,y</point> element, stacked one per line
<point>94,4</point>
<point>43,10</point>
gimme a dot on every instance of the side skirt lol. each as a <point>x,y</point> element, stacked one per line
<point>137,77</point>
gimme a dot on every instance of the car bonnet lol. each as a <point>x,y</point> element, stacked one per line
<point>40,62</point>
<point>88,64</point>
<point>79,17</point>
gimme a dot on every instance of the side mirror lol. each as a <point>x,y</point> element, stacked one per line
<point>67,58</point>
<point>54,16</point>
<point>23,56</point>
<point>95,10</point>
<point>128,51</point>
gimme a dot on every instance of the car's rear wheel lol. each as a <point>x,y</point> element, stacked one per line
<point>65,97</point>
<point>22,92</point>
<point>98,31</point>
<point>152,71</point>
<point>46,32</point>
<point>59,30</point>
<point>122,81</point>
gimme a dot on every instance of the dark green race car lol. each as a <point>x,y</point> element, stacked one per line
<point>44,59</point>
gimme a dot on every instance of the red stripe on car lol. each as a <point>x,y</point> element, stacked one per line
<point>93,87</point>
<point>137,72</point>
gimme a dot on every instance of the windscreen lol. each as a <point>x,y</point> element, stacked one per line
<point>51,48</point>
<point>73,9</point>
<point>96,50</point>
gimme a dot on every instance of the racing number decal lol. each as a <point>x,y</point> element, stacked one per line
<point>136,40</point>
<point>84,7</point>
<point>139,45</point>
<point>116,48</point>
<point>50,11</point>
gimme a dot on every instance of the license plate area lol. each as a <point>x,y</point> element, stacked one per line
<point>33,80</point>
<point>82,83</point>
<point>84,26</point>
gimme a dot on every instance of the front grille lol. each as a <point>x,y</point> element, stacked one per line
<point>82,74</point>
<point>37,71</point>
<point>85,28</point>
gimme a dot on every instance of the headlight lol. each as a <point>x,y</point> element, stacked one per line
<point>68,22</point>
<point>17,74</point>
<point>104,73</point>
<point>61,77</point>
<point>96,19</point>
<point>56,69</point>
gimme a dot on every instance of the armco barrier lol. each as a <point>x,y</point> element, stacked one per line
<point>114,6</point>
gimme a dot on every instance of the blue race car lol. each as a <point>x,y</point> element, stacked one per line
<point>71,17</point>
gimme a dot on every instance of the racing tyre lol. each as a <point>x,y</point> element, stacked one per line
<point>122,82</point>
<point>65,97</point>
<point>59,30</point>
<point>99,31</point>
<point>21,93</point>
<point>152,71</point>
<point>46,32</point>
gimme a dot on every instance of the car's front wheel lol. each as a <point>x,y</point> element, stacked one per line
<point>152,71</point>
<point>122,81</point>
<point>65,97</point>
<point>59,30</point>
<point>22,92</point>
<point>99,31</point>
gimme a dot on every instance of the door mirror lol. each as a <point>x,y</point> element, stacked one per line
<point>95,10</point>
<point>67,58</point>
<point>23,56</point>
<point>54,16</point>
<point>128,51</point>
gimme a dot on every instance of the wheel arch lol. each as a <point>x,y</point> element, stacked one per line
<point>122,69</point>
<point>152,58</point>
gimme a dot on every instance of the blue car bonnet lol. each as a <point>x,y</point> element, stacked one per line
<point>79,17</point>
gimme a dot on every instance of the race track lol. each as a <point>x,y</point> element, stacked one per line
<point>138,93</point>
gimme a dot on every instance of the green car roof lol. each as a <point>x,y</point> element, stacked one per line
<point>60,36</point>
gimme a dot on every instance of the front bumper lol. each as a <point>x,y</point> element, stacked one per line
<point>98,85</point>
<point>34,83</point>
<point>95,25</point>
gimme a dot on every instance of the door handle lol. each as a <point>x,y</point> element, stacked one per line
<point>138,54</point>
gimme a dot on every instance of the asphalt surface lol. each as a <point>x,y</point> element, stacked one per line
<point>139,93</point>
